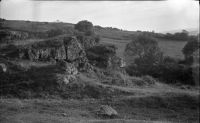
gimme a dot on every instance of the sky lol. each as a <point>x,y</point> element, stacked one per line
<point>128,15</point>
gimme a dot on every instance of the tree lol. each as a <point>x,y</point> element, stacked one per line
<point>146,53</point>
<point>142,46</point>
<point>191,46</point>
<point>85,26</point>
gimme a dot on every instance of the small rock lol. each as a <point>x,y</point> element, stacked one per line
<point>3,67</point>
<point>108,111</point>
<point>64,114</point>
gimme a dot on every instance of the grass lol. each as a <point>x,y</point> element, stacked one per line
<point>172,48</point>
<point>173,108</point>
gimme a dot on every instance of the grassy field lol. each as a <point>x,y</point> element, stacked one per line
<point>172,48</point>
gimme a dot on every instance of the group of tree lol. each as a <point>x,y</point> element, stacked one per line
<point>149,60</point>
<point>182,36</point>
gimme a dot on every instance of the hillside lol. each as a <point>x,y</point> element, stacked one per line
<point>119,38</point>
<point>55,73</point>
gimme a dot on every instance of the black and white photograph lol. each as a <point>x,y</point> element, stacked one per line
<point>90,61</point>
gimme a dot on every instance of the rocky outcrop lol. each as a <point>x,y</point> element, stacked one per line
<point>7,35</point>
<point>43,51</point>
<point>70,72</point>
<point>73,49</point>
<point>62,48</point>
<point>104,56</point>
<point>87,41</point>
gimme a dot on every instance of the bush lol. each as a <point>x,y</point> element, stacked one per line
<point>85,26</point>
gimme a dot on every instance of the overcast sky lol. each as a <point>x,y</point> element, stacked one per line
<point>129,15</point>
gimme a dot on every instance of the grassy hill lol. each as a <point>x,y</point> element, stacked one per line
<point>112,36</point>
<point>40,91</point>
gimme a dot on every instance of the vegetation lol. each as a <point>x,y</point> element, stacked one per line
<point>85,26</point>
<point>149,60</point>
<point>146,52</point>
<point>188,50</point>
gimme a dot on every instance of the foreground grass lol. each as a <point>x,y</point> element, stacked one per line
<point>161,108</point>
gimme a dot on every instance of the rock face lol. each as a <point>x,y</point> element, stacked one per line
<point>73,49</point>
<point>87,41</point>
<point>63,48</point>
<point>43,51</point>
<point>70,72</point>
<point>13,35</point>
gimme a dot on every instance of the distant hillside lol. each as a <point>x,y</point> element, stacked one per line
<point>192,31</point>
<point>108,35</point>
<point>105,32</point>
